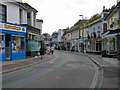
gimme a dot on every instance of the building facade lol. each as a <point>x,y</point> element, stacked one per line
<point>13,35</point>
<point>34,29</point>
<point>111,37</point>
<point>18,21</point>
<point>13,41</point>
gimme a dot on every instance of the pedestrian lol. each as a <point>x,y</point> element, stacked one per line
<point>48,49</point>
<point>42,51</point>
<point>52,49</point>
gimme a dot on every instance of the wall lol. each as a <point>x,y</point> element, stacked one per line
<point>111,20</point>
<point>94,28</point>
<point>24,16</point>
<point>13,13</point>
<point>38,25</point>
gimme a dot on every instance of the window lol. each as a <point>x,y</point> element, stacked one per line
<point>3,16</point>
<point>105,27</point>
<point>2,44</point>
<point>20,15</point>
<point>18,44</point>
<point>34,18</point>
<point>112,47</point>
<point>28,18</point>
<point>28,15</point>
<point>98,27</point>
<point>93,29</point>
<point>119,14</point>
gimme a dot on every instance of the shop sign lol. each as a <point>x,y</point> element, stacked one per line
<point>99,39</point>
<point>12,27</point>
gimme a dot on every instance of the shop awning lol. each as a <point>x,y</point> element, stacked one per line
<point>111,35</point>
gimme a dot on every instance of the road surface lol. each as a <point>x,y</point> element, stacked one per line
<point>66,70</point>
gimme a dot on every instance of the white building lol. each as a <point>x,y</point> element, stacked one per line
<point>60,34</point>
<point>13,12</point>
<point>23,14</point>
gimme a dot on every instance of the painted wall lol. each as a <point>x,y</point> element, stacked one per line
<point>112,19</point>
<point>38,25</point>
<point>24,16</point>
<point>95,28</point>
<point>13,13</point>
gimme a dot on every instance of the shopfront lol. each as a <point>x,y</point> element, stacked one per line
<point>12,41</point>
<point>111,44</point>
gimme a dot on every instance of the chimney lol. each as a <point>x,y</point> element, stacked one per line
<point>103,7</point>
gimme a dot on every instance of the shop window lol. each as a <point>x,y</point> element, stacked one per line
<point>2,45</point>
<point>18,44</point>
<point>33,37</point>
<point>112,45</point>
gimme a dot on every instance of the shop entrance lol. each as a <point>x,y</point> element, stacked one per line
<point>7,43</point>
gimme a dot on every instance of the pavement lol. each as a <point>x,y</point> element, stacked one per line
<point>110,70</point>
<point>110,67</point>
<point>9,66</point>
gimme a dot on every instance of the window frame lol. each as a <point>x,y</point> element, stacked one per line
<point>3,13</point>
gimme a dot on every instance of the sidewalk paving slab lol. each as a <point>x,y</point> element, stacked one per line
<point>110,68</point>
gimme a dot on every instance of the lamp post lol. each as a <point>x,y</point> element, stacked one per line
<point>82,37</point>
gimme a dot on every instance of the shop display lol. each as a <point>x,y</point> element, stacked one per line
<point>2,46</point>
<point>17,44</point>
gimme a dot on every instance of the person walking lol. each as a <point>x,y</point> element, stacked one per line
<point>52,49</point>
<point>42,51</point>
<point>48,49</point>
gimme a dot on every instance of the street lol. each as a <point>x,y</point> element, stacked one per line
<point>60,44</point>
<point>66,70</point>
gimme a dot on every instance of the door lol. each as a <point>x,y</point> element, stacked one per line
<point>8,42</point>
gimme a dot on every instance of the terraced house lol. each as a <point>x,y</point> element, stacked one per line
<point>111,36</point>
<point>18,24</point>
<point>12,34</point>
<point>85,36</point>
<point>34,29</point>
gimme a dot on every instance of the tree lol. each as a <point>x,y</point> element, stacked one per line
<point>46,36</point>
<point>55,34</point>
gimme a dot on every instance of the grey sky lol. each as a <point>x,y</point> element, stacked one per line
<point>60,14</point>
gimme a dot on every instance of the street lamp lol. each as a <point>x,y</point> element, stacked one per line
<point>82,45</point>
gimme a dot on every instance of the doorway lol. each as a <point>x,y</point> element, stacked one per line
<point>7,45</point>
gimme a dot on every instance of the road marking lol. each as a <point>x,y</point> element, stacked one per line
<point>57,77</point>
<point>51,62</point>
<point>95,76</point>
<point>95,79</point>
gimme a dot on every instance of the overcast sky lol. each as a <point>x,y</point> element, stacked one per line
<point>60,14</point>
